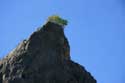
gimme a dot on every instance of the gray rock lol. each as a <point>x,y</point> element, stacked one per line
<point>43,58</point>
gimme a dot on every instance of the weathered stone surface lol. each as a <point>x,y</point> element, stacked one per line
<point>43,58</point>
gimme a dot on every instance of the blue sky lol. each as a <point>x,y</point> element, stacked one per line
<point>96,31</point>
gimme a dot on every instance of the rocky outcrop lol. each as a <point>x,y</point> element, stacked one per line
<point>43,58</point>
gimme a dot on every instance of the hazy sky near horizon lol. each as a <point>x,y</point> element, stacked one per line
<point>96,31</point>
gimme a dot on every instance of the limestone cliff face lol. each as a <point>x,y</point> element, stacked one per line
<point>43,58</point>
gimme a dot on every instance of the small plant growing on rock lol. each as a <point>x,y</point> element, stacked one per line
<point>58,20</point>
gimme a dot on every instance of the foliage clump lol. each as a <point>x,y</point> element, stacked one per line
<point>58,20</point>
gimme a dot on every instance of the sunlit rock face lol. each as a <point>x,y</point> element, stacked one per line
<point>43,58</point>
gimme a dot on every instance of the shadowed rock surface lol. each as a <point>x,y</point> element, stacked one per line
<point>43,58</point>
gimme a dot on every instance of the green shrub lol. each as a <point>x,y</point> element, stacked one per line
<point>58,20</point>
